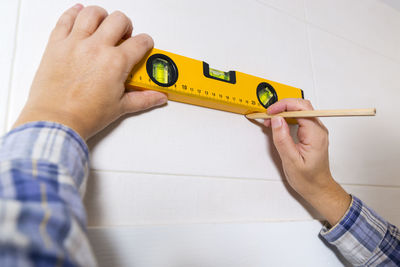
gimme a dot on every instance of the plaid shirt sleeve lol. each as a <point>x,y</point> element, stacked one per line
<point>364,238</point>
<point>43,171</point>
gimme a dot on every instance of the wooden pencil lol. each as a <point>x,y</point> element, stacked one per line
<point>316,113</point>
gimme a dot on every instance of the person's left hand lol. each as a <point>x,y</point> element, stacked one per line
<point>80,81</point>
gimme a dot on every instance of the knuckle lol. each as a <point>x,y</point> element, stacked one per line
<point>94,11</point>
<point>145,40</point>
<point>65,20</point>
<point>120,15</point>
<point>308,104</point>
<point>326,131</point>
<point>323,127</point>
<point>324,136</point>
<point>327,136</point>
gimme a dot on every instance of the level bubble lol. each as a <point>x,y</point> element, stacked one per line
<point>266,94</point>
<point>162,70</point>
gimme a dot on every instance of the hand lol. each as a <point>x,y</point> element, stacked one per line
<point>306,164</point>
<point>80,81</point>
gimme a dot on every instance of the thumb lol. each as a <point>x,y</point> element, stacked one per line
<point>135,101</point>
<point>283,141</point>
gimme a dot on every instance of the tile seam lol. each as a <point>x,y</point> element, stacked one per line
<point>182,175</point>
<point>12,67</point>
<point>201,223</point>
<point>307,21</point>
<point>314,75</point>
<point>355,43</point>
<point>229,177</point>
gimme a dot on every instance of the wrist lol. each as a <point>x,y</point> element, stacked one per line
<point>314,186</point>
<point>37,114</point>
<point>330,200</point>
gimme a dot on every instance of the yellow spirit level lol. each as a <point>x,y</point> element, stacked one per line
<point>192,81</point>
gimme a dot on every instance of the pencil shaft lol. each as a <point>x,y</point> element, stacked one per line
<point>317,113</point>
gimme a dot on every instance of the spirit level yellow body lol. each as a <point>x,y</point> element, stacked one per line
<point>192,81</point>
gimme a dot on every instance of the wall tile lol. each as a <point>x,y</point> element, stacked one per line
<point>363,150</point>
<point>132,199</point>
<point>236,245</point>
<point>392,3</point>
<point>291,7</point>
<point>115,199</point>
<point>369,23</point>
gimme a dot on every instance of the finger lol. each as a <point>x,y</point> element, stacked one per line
<point>310,132</point>
<point>294,104</point>
<point>310,129</point>
<point>267,122</point>
<point>141,100</point>
<point>283,141</point>
<point>65,23</point>
<point>128,33</point>
<point>290,104</point>
<point>115,27</point>
<point>88,21</point>
<point>135,48</point>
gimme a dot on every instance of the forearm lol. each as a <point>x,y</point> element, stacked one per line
<point>43,171</point>
<point>331,200</point>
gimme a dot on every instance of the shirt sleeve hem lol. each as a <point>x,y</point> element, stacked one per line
<point>327,229</point>
<point>345,223</point>
<point>47,124</point>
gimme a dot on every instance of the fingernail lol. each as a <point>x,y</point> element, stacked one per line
<point>276,122</point>
<point>78,6</point>
<point>161,101</point>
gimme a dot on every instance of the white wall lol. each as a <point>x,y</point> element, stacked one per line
<point>188,186</point>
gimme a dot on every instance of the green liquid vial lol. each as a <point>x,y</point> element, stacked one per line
<point>265,96</point>
<point>219,74</point>
<point>161,72</point>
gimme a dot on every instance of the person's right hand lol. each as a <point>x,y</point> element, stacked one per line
<point>306,164</point>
